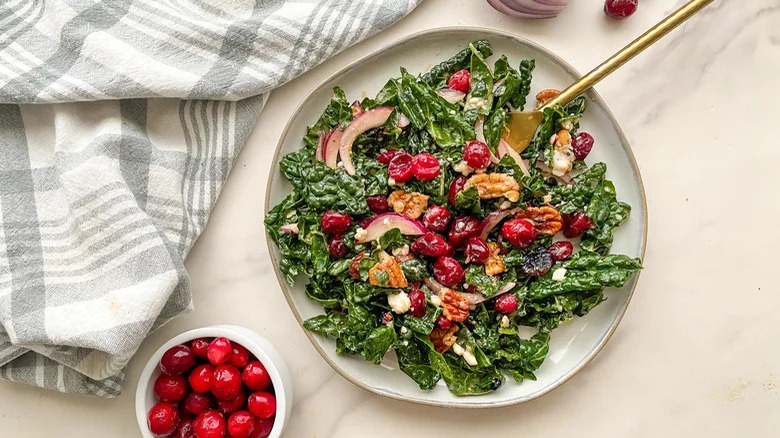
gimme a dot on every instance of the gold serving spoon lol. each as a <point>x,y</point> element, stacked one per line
<point>522,125</point>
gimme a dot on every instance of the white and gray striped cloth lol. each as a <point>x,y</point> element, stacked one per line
<point>119,123</point>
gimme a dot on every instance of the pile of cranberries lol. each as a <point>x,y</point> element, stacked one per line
<point>212,388</point>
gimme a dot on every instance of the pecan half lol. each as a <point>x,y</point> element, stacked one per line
<point>494,265</point>
<point>395,277</point>
<point>494,185</point>
<point>546,219</point>
<point>454,305</point>
<point>410,204</point>
<point>545,95</point>
<point>443,339</point>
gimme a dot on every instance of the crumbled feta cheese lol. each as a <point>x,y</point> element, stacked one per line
<point>504,205</point>
<point>547,199</point>
<point>462,167</point>
<point>436,300</point>
<point>404,330</point>
<point>402,251</point>
<point>391,181</point>
<point>562,161</point>
<point>340,164</point>
<point>559,274</point>
<point>475,102</point>
<point>360,234</point>
<point>504,321</point>
<point>567,125</point>
<point>399,303</point>
<point>457,349</point>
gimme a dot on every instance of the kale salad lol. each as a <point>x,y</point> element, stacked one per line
<point>422,231</point>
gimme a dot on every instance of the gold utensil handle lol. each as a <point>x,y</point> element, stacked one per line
<point>628,52</point>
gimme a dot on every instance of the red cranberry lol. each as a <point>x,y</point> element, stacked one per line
<point>477,250</point>
<point>262,404</point>
<point>447,271</point>
<point>256,377</point>
<point>431,245</point>
<point>220,351</point>
<point>476,154</point>
<point>337,247</point>
<point>387,156</point>
<point>620,9</point>
<point>263,427</point>
<point>560,251</point>
<point>185,430</point>
<point>241,424</point>
<point>200,347</point>
<point>582,143</point>
<point>418,307</point>
<point>227,382</point>
<point>425,167</point>
<point>201,378</point>
<point>460,81</point>
<point>240,356</point>
<point>577,224</point>
<point>377,204</point>
<point>162,419</point>
<point>462,228</point>
<point>210,424</point>
<point>334,222</point>
<point>197,404</point>
<point>443,322</point>
<point>519,232</point>
<point>177,360</point>
<point>506,303</point>
<point>456,186</point>
<point>400,168</point>
<point>170,388</point>
<point>436,218</point>
<point>232,405</point>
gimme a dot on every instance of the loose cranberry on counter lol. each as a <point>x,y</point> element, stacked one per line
<point>337,247</point>
<point>201,378</point>
<point>197,404</point>
<point>263,427</point>
<point>377,204</point>
<point>170,388</point>
<point>400,168</point>
<point>162,419</point>
<point>386,156</point>
<point>443,323</point>
<point>519,232</point>
<point>436,218</point>
<point>456,186</point>
<point>620,9</point>
<point>185,429</point>
<point>241,424</point>
<point>506,303</point>
<point>431,245</point>
<point>177,360</point>
<point>447,271</point>
<point>200,347</point>
<point>560,251</point>
<point>334,222</point>
<point>419,305</point>
<point>582,143</point>
<point>227,382</point>
<point>476,154</point>
<point>425,167</point>
<point>256,377</point>
<point>460,81</point>
<point>240,356</point>
<point>210,424</point>
<point>233,405</point>
<point>477,250</point>
<point>536,261</point>
<point>220,351</point>
<point>461,229</point>
<point>262,404</point>
<point>577,224</point>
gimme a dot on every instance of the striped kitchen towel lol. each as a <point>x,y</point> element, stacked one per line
<point>119,123</point>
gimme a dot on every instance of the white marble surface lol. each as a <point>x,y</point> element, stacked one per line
<point>696,354</point>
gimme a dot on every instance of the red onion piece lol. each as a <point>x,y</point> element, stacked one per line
<point>382,223</point>
<point>318,152</point>
<point>290,229</point>
<point>494,219</point>
<point>330,150</point>
<point>403,121</point>
<point>515,9</point>
<point>450,95</point>
<point>363,122</point>
<point>504,149</point>
<point>565,179</point>
<point>479,129</point>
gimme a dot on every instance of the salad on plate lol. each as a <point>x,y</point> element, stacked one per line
<point>421,231</point>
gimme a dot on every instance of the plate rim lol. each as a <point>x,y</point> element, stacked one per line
<point>593,96</point>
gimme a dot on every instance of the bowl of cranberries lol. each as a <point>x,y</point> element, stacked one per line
<point>214,382</point>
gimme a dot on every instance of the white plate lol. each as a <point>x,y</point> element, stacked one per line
<point>573,345</point>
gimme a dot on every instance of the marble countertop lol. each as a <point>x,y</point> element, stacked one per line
<point>695,355</point>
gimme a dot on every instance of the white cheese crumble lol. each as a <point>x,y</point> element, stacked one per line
<point>562,162</point>
<point>466,353</point>
<point>457,349</point>
<point>436,300</point>
<point>567,125</point>
<point>559,274</point>
<point>547,199</point>
<point>399,303</point>
<point>504,321</point>
<point>390,181</point>
<point>404,330</point>
<point>504,205</point>
<point>475,102</point>
<point>402,251</point>
<point>360,234</point>
<point>340,164</point>
<point>462,167</point>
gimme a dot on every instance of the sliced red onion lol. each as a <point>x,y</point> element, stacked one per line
<point>450,95</point>
<point>318,152</point>
<point>504,149</point>
<point>434,285</point>
<point>330,150</point>
<point>521,9</point>
<point>403,121</point>
<point>479,129</point>
<point>290,229</point>
<point>565,179</point>
<point>494,219</point>
<point>497,84</point>
<point>472,298</point>
<point>385,222</point>
<point>363,122</point>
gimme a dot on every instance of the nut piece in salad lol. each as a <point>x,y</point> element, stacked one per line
<point>409,204</point>
<point>495,185</point>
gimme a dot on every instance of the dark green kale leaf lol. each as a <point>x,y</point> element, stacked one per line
<point>442,71</point>
<point>522,357</point>
<point>422,325</point>
<point>607,213</point>
<point>378,342</point>
<point>459,377</point>
<point>467,201</point>
<point>587,271</point>
<point>320,256</point>
<point>415,270</point>
<point>513,86</point>
<point>331,324</point>
<point>413,360</point>
<point>481,84</point>
<point>392,239</point>
<point>526,74</point>
<point>575,197</point>
<point>329,189</point>
<point>338,112</point>
<point>494,127</point>
<point>329,296</point>
<point>488,285</point>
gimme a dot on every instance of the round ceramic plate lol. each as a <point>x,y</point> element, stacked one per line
<point>573,345</point>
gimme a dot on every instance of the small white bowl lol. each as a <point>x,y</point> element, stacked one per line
<point>256,344</point>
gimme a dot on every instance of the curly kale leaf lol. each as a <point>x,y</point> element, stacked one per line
<point>513,86</point>
<point>378,342</point>
<point>587,271</point>
<point>442,71</point>
<point>481,89</point>
<point>607,213</point>
<point>575,197</point>
<point>467,201</point>
<point>413,360</point>
<point>329,189</point>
